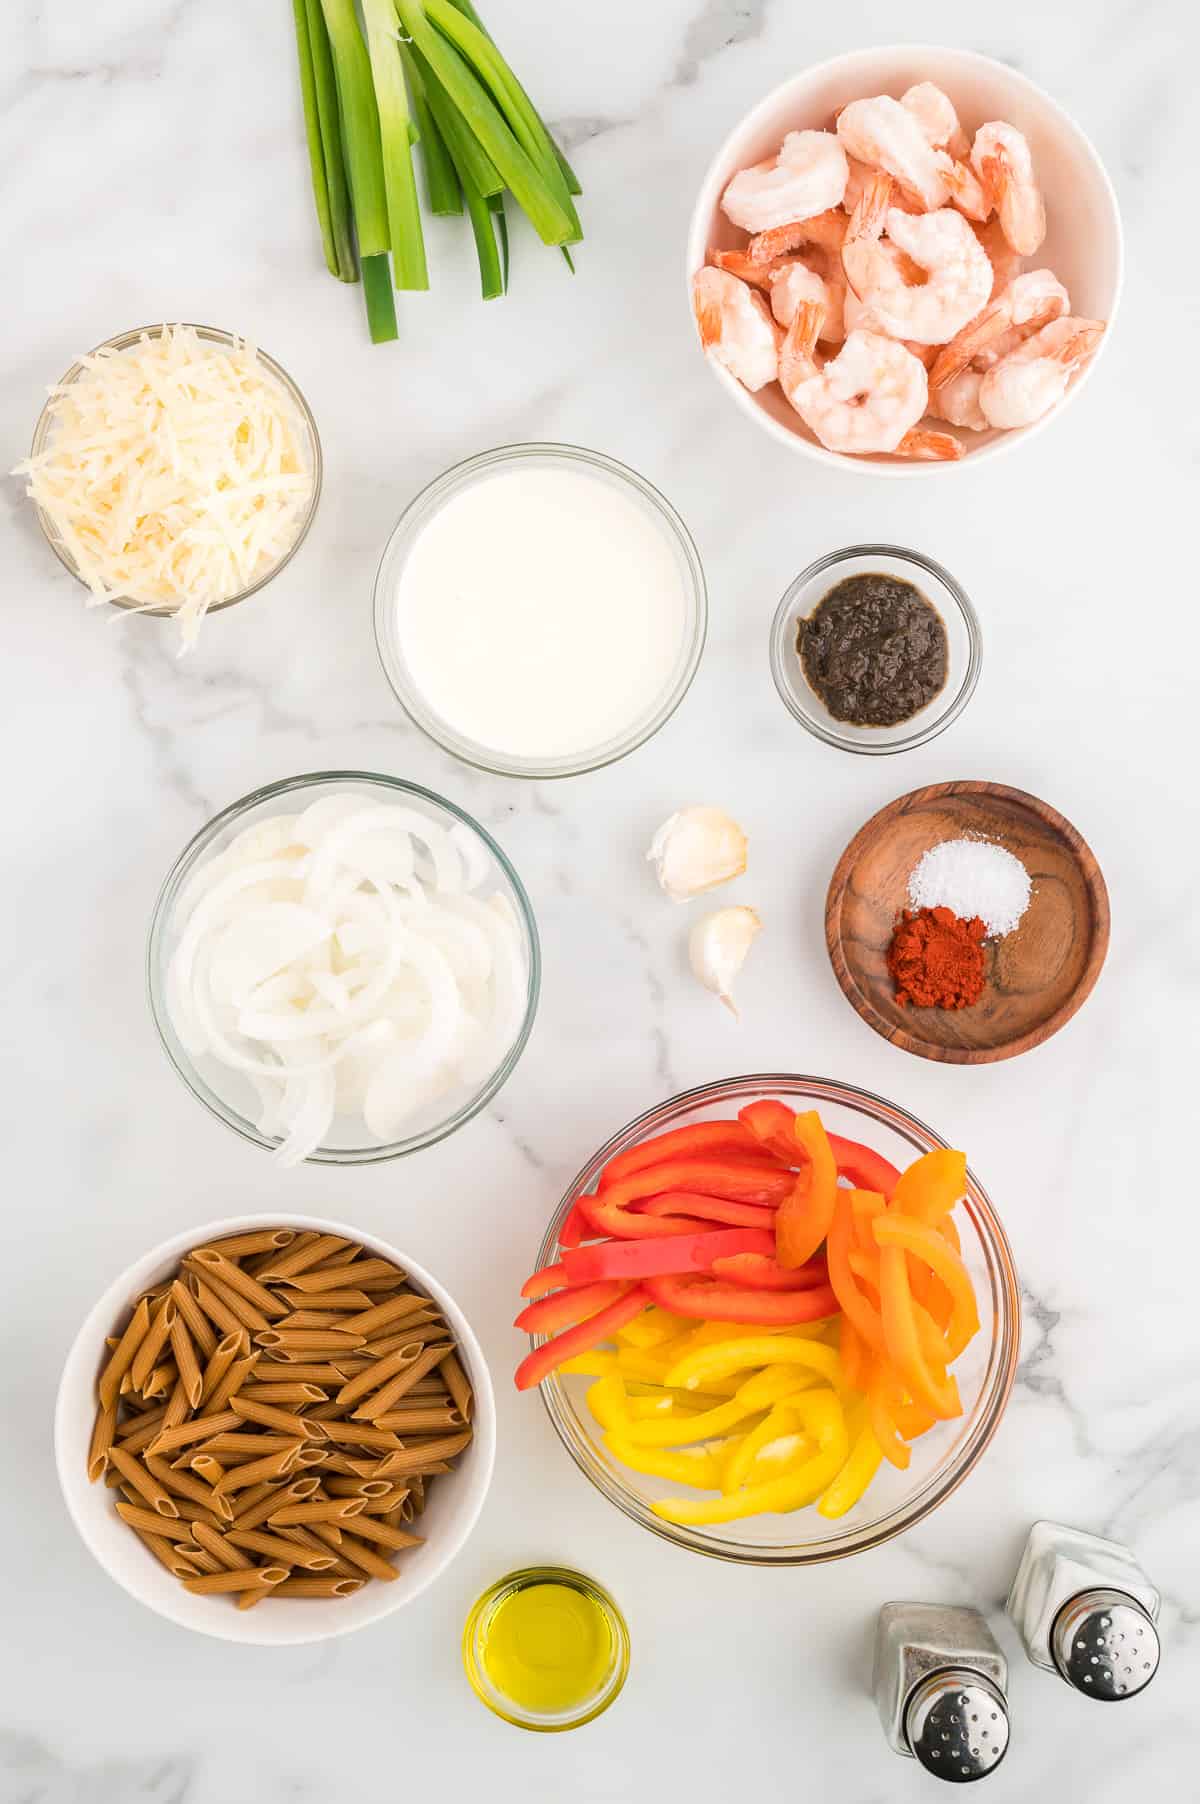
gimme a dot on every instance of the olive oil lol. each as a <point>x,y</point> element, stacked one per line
<point>546,1648</point>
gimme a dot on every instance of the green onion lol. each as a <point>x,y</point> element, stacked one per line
<point>482,54</point>
<point>465,151</point>
<point>441,181</point>
<point>395,124</point>
<point>461,146</point>
<point>377,292</point>
<point>360,127</point>
<point>330,126</point>
<point>550,220</point>
<point>496,203</point>
<point>574,185</point>
<point>312,131</point>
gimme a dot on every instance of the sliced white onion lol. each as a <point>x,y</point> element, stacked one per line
<point>347,961</point>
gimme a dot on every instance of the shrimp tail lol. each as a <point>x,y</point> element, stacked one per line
<point>708,320</point>
<point>825,229</point>
<point>971,196</point>
<point>930,447</point>
<point>745,267</point>
<point>1080,347</point>
<point>868,217</point>
<point>966,346</point>
<point>796,354</point>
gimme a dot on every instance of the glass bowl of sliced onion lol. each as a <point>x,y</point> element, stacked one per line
<point>343,967</point>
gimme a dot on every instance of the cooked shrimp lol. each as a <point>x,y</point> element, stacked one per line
<point>865,399</point>
<point>934,113</point>
<point>886,135</point>
<point>744,267</point>
<point>735,327</point>
<point>957,401</point>
<point>1001,158</point>
<point>967,192</point>
<point>930,447</point>
<point>794,281</point>
<point>858,317</point>
<point>860,175</point>
<point>807,177</point>
<point>824,231</point>
<point>942,244</point>
<point>1034,378</point>
<point>1000,254</point>
<point>1029,301</point>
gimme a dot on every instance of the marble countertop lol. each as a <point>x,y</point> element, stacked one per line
<point>155,169</point>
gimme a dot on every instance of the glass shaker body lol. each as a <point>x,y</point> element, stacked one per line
<point>939,1685</point>
<point>1080,1602</point>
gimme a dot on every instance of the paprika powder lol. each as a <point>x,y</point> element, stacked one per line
<point>936,959</point>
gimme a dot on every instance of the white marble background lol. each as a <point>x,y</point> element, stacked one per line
<point>153,167</point>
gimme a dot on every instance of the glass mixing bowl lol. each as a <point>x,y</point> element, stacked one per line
<point>228,1094</point>
<point>941,1459</point>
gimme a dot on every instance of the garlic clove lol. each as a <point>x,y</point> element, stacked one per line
<point>717,948</point>
<point>696,849</point>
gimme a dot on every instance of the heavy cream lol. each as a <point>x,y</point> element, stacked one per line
<point>543,610</point>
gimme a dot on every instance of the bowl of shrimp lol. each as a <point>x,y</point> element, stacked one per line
<point>905,259</point>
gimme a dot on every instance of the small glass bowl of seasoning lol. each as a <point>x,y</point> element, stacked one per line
<point>875,649</point>
<point>546,1648</point>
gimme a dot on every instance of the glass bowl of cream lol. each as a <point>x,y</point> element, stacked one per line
<point>540,610</point>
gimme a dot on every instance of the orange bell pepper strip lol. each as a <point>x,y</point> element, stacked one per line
<point>928,1383</point>
<point>901,1232</point>
<point>580,1339</point>
<point>698,1140</point>
<point>802,1222</point>
<point>854,1305</point>
<point>715,1299</point>
<point>566,1307</point>
<point>929,1188</point>
<point>707,1208</point>
<point>865,1205</point>
<point>854,1356</point>
<point>891,1445</point>
<point>762,1271</point>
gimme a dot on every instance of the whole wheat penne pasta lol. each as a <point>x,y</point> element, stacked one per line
<point>272,1497</point>
<point>232,1558</point>
<point>377,1403</point>
<point>200,1560</point>
<point>172,1528</point>
<point>185,1359</point>
<point>108,1385</point>
<point>458,1384</point>
<point>362,1434</point>
<point>311,1318</point>
<point>306,1251</point>
<point>177,1406</point>
<point>136,1436</point>
<point>286,1421</point>
<point>402,1512</point>
<point>382,1468</point>
<point>246,1578</point>
<point>214,1266</point>
<point>162,1314</point>
<point>272,1371</point>
<point>344,1256</point>
<point>238,1449</point>
<point>231,1346</point>
<point>182,1484</point>
<point>377,1374</point>
<point>274,1465</point>
<point>308,1340</point>
<point>170,1554</point>
<point>161,1381</point>
<point>416,1482</point>
<point>374,1528</point>
<point>329,1586</point>
<point>333,1277</point>
<point>153,1292</point>
<point>262,1240</point>
<point>403,1382</point>
<point>280,1551</point>
<point>321,1509</point>
<point>311,1454</point>
<point>359,1554</point>
<point>381,1315</point>
<point>144,1482</point>
<point>356,1487</point>
<point>242,1369</point>
<point>431,1386</point>
<point>218,1313</point>
<point>330,1538</point>
<point>104,1430</point>
<point>281,1393</point>
<point>381,1503</point>
<point>194,1319</point>
<point>238,1306</point>
<point>198,1512</point>
<point>421,1334</point>
<point>417,1421</point>
<point>200,1428</point>
<point>353,1301</point>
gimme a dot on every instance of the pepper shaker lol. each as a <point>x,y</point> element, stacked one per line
<point>1085,1610</point>
<point>939,1684</point>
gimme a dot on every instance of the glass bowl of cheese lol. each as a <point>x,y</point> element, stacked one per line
<point>175,470</point>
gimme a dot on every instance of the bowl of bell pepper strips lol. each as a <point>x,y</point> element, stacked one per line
<point>775,1320</point>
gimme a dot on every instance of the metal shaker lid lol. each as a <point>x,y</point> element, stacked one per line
<point>956,1722</point>
<point>1105,1645</point>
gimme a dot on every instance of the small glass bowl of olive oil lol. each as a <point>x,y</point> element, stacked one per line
<point>546,1648</point>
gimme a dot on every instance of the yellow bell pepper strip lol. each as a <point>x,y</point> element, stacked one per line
<point>688,1402</point>
<point>780,1423</point>
<point>699,1139</point>
<point>854,1477</point>
<point>928,1383</point>
<point>821,1414</point>
<point>681,1466</point>
<point>652,1368</point>
<point>854,1305</point>
<point>707,1297</point>
<point>606,1400</point>
<point>762,1271</point>
<point>781,1455</point>
<point>696,1208</point>
<point>706,1334</point>
<point>624,1260</point>
<point>580,1339</point>
<point>550,1277</point>
<point>894,1230</point>
<point>651,1329</point>
<point>802,1222</point>
<point>865,1205</point>
<point>862,1168</point>
<point>887,1437</point>
<point>929,1188</point>
<point>590,1365</point>
<point>681,1429</point>
<point>709,1365</point>
<point>564,1308</point>
<point>647,1409</point>
<point>774,1383</point>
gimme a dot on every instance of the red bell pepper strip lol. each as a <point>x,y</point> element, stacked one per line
<point>773,1125</point>
<point>712,1299</point>
<point>581,1339</point>
<point>566,1307</point>
<point>804,1216</point>
<point>541,1283</point>
<point>701,1138</point>
<point>642,1258</point>
<point>574,1227</point>
<point>610,1213</point>
<point>762,1271</point>
<point>864,1169</point>
<point>708,1208</point>
<point>604,1218</point>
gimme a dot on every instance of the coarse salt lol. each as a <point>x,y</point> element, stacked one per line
<point>972,877</point>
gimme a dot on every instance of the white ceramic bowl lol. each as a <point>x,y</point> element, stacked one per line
<point>1083,243</point>
<point>455,1501</point>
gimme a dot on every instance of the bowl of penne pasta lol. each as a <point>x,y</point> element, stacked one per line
<point>275,1431</point>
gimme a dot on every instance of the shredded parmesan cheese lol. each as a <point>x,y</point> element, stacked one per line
<point>174,474</point>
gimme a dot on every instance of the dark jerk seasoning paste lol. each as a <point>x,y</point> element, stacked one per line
<point>874,650</point>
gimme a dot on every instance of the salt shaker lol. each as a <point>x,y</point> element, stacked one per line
<point>939,1683</point>
<point>1085,1610</point>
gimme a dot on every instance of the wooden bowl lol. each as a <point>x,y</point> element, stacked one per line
<point>1037,976</point>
